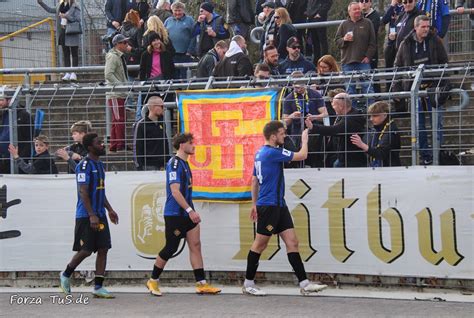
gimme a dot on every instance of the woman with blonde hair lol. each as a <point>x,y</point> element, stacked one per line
<point>67,12</point>
<point>284,31</point>
<point>155,25</point>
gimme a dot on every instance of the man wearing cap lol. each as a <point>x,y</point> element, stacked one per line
<point>209,29</point>
<point>236,61</point>
<point>355,37</point>
<point>116,74</point>
<point>25,132</point>
<point>295,61</point>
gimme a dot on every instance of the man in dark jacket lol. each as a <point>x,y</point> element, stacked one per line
<point>210,59</point>
<point>240,16</point>
<point>149,138</point>
<point>25,130</point>
<point>317,11</point>
<point>423,46</point>
<point>209,28</point>
<point>295,61</point>
<point>348,122</point>
<point>115,11</point>
<point>374,17</point>
<point>405,22</point>
<point>236,61</point>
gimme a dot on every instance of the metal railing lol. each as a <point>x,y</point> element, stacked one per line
<point>65,104</point>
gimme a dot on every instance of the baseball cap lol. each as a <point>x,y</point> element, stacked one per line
<point>293,41</point>
<point>118,39</point>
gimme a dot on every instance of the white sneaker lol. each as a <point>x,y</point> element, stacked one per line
<point>312,288</point>
<point>73,77</point>
<point>253,290</point>
<point>66,77</point>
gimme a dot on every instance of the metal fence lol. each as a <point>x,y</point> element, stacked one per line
<point>65,104</point>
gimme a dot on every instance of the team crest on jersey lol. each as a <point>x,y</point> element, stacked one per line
<point>81,177</point>
<point>176,232</point>
<point>172,175</point>
<point>269,228</point>
<point>286,152</point>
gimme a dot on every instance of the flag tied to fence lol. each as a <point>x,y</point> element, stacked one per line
<point>227,126</point>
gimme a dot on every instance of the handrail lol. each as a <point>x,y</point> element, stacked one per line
<point>323,24</point>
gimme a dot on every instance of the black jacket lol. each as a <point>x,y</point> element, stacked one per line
<point>386,151</point>
<point>320,7</point>
<point>348,154</point>
<point>115,10</point>
<point>296,9</point>
<point>150,144</point>
<point>207,63</point>
<point>77,148</point>
<point>239,11</point>
<point>284,32</point>
<point>407,27</point>
<point>167,65</point>
<point>40,164</point>
<point>235,65</point>
<point>25,124</point>
<point>437,52</point>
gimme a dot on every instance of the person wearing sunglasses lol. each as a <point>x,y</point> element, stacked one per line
<point>438,12</point>
<point>295,61</point>
<point>284,31</point>
<point>405,23</point>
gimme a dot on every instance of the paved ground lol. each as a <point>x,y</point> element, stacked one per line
<point>281,302</point>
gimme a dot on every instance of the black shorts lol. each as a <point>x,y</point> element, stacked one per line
<point>273,220</point>
<point>85,238</point>
<point>178,226</point>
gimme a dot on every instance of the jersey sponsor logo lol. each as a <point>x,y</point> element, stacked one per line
<point>172,175</point>
<point>81,177</point>
<point>286,152</point>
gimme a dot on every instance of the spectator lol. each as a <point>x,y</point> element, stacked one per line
<point>209,28</point>
<point>317,11</point>
<point>236,62</point>
<point>270,57</point>
<point>438,12</point>
<point>296,10</point>
<point>295,61</point>
<point>180,28</point>
<point>155,25</point>
<point>162,10</point>
<point>115,74</point>
<point>25,128</point>
<point>405,22</point>
<point>269,25</point>
<point>393,12</point>
<point>262,71</point>
<point>372,14</point>
<point>115,11</point>
<point>74,153</point>
<point>423,46</point>
<point>383,142</point>
<point>143,9</point>
<point>326,65</point>
<point>240,17</point>
<point>210,59</point>
<point>284,31</point>
<point>131,29</point>
<point>355,37</point>
<point>348,122</point>
<point>460,9</point>
<point>260,5</point>
<point>156,62</point>
<point>41,163</point>
<point>150,143</point>
<point>67,11</point>
<point>301,104</point>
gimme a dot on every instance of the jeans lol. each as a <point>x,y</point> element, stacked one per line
<point>367,88</point>
<point>180,73</point>
<point>425,111</point>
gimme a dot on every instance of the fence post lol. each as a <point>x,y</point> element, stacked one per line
<point>414,100</point>
<point>26,83</point>
<point>13,127</point>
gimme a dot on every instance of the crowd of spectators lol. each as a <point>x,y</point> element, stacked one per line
<point>156,35</point>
